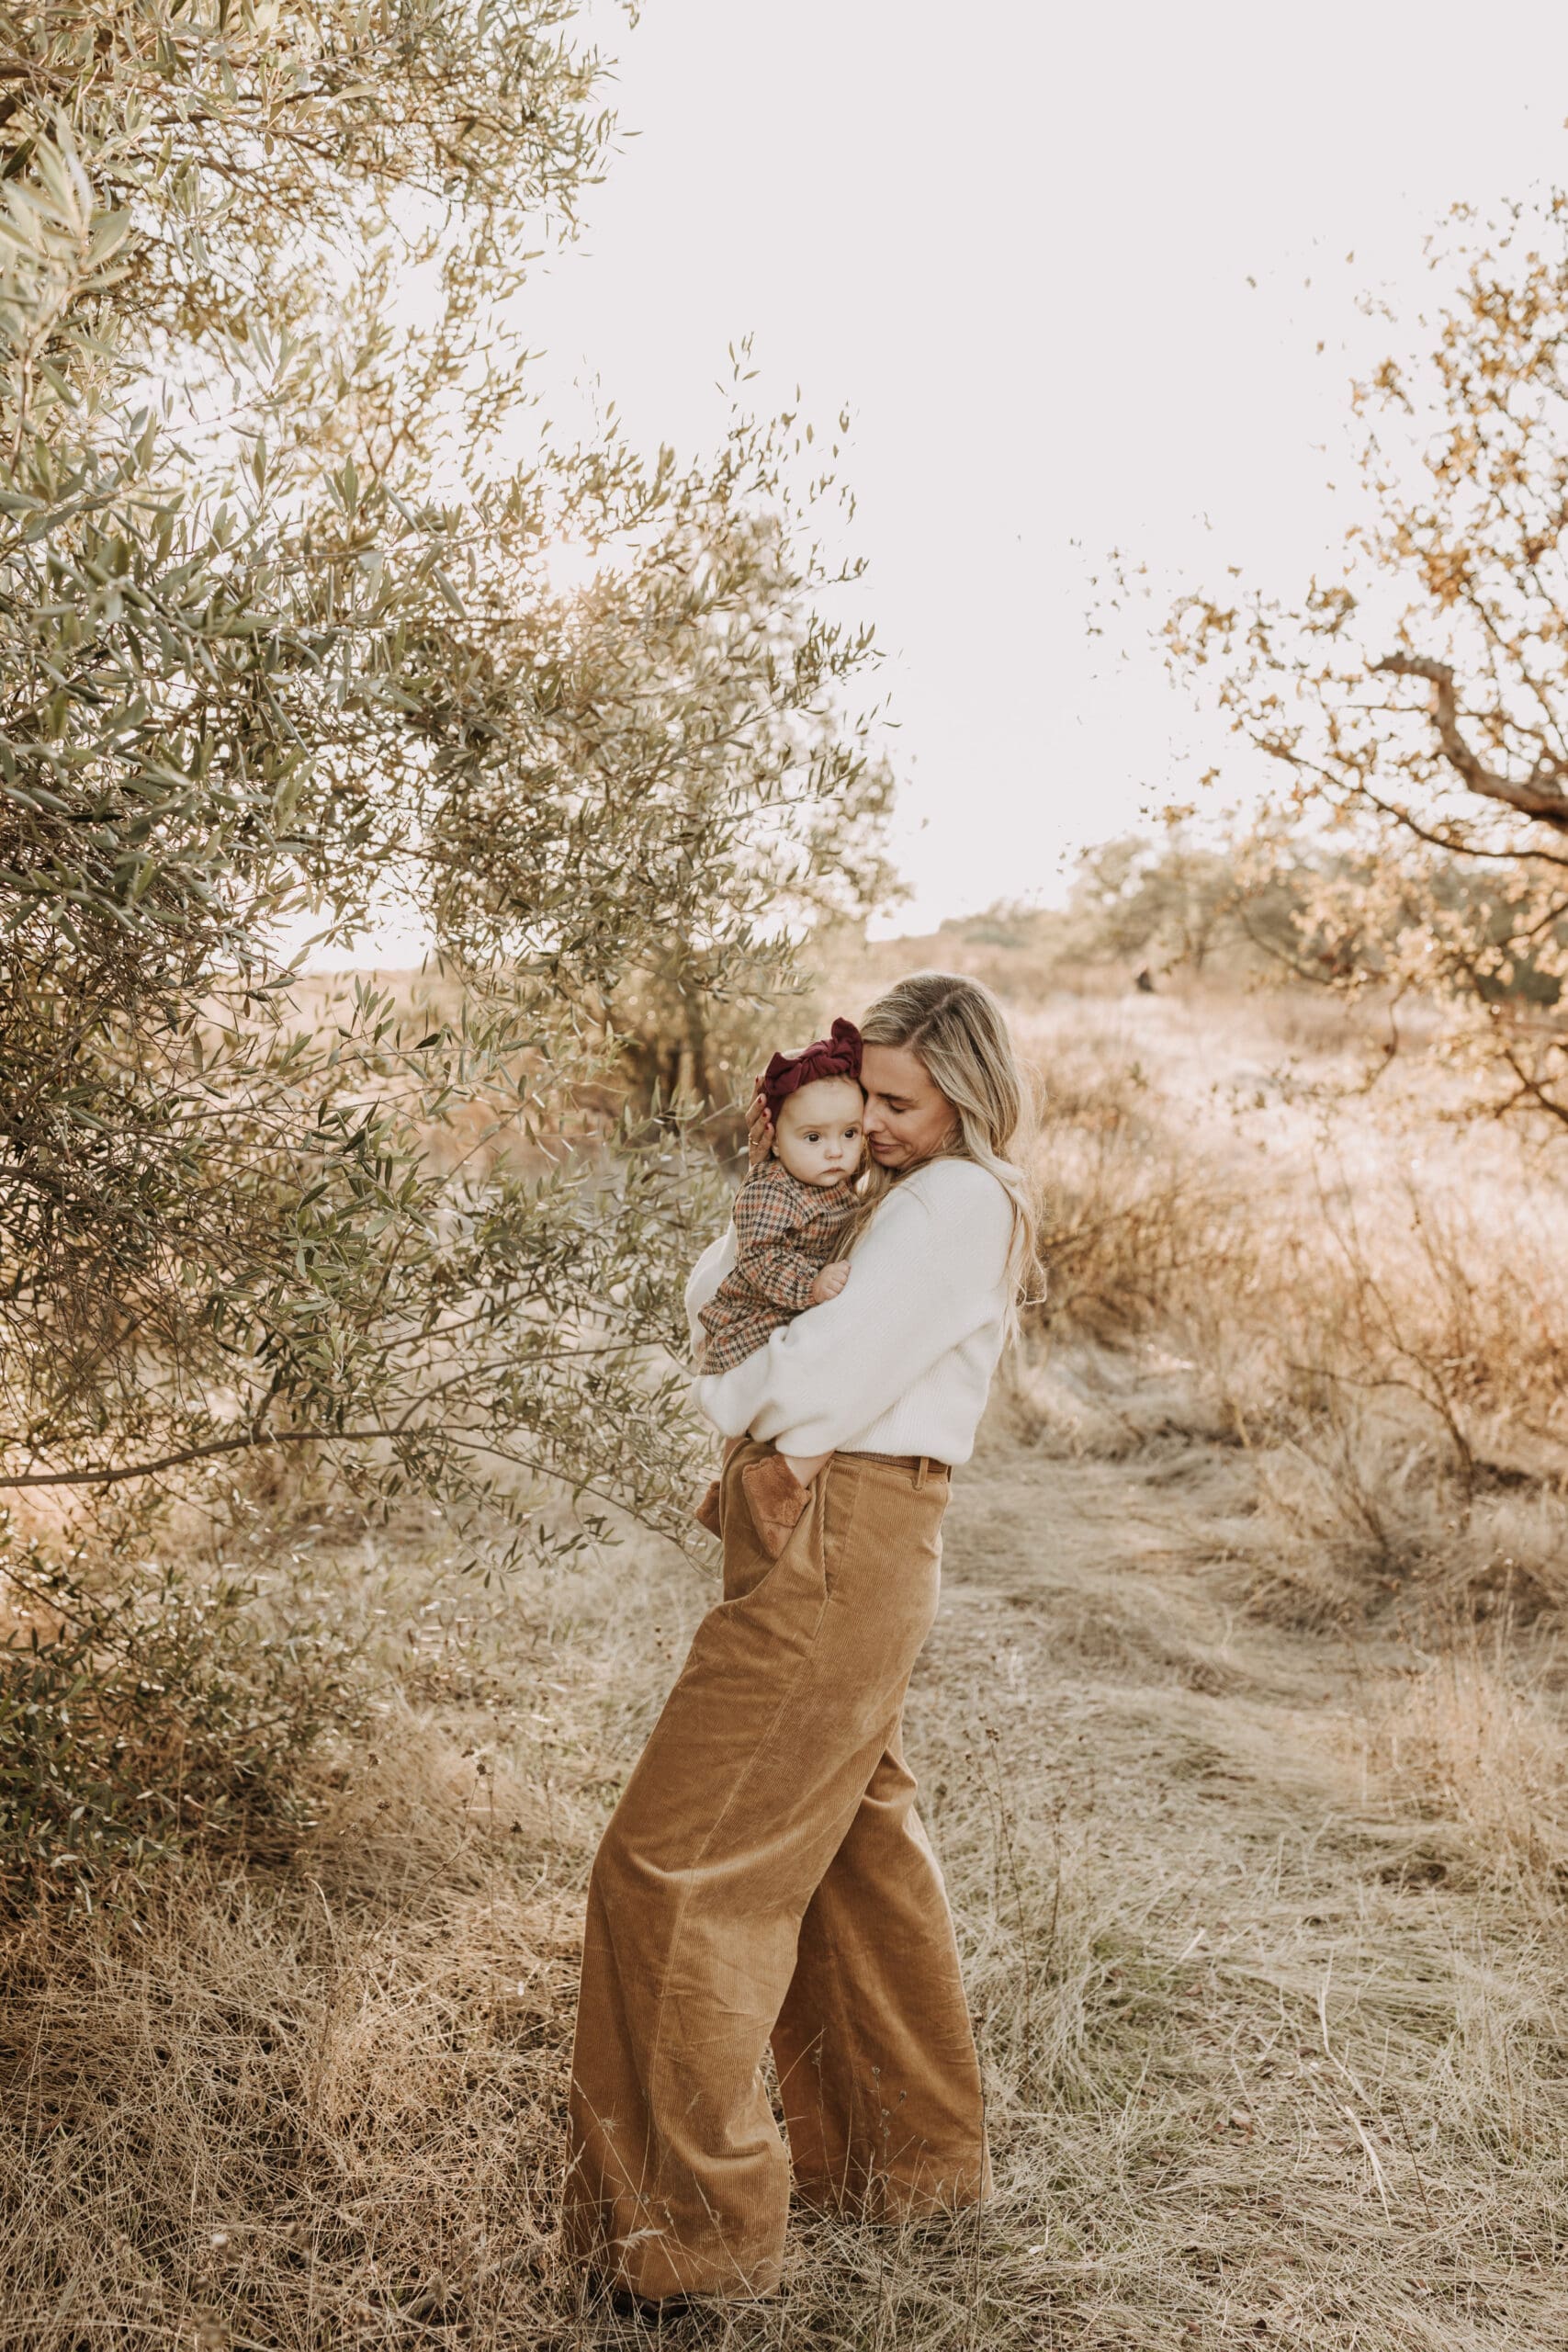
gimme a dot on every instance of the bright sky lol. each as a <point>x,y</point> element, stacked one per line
<point>1069,267</point>
<point>1056,261</point>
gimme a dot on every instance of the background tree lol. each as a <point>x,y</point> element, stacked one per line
<point>1419,704</point>
<point>1180,901</point>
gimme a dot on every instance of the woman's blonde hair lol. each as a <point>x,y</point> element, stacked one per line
<point>958,1030</point>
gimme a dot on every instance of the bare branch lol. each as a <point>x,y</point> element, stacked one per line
<point>1540,798</point>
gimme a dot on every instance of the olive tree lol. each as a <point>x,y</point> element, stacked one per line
<point>279,646</point>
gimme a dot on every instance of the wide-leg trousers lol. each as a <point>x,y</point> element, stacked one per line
<point>766,1878</point>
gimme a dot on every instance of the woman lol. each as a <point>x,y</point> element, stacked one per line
<point>765,1876</point>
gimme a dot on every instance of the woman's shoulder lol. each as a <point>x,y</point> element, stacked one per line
<point>962,1199</point>
<point>959,1187</point>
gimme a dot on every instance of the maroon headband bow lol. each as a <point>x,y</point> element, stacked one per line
<point>837,1056</point>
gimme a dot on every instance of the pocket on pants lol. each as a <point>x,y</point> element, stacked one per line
<point>764,1525</point>
<point>775,1501</point>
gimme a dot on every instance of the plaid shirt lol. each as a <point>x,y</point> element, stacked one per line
<point>785,1232</point>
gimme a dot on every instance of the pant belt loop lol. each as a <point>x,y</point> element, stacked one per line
<point>920,1473</point>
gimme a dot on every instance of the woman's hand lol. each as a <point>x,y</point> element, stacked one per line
<point>829,1282</point>
<point>758,1127</point>
<point>803,1467</point>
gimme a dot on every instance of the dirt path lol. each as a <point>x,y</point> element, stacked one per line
<point>1277,2052</point>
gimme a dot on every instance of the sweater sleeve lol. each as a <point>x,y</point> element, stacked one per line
<point>924,1277</point>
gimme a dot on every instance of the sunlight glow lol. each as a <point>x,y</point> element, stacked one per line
<point>571,567</point>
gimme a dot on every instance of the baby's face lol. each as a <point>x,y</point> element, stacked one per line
<point>818,1136</point>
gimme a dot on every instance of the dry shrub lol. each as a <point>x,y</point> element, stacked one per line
<point>1461,1738</point>
<point>1367,1300</point>
<point>1133,1220</point>
<point>148,1706</point>
<point>420,1809</point>
<point>270,2104</point>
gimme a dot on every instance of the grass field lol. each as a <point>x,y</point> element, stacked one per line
<point>1241,1733</point>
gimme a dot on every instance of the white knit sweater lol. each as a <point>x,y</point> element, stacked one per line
<point>901,1361</point>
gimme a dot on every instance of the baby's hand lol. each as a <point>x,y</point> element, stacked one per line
<point>829,1282</point>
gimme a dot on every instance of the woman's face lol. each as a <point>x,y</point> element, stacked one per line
<point>907,1119</point>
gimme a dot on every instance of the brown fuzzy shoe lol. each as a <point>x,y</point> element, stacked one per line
<point>653,2310</point>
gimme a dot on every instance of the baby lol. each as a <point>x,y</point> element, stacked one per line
<point>789,1216</point>
<point>792,1209</point>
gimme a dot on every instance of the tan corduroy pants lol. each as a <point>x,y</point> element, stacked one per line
<point>765,1878</point>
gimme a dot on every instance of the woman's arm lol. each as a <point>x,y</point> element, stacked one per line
<point>704,1279</point>
<point>927,1274</point>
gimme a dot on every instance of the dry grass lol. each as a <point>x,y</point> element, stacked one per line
<point>1242,1734</point>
